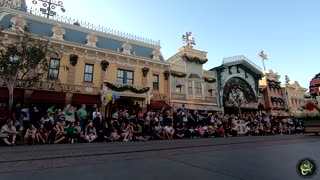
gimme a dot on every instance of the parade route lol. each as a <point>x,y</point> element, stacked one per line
<point>250,158</point>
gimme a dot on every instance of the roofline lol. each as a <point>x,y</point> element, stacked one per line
<point>99,50</point>
<point>97,30</point>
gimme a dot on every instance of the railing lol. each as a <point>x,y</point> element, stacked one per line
<point>212,99</point>
<point>83,24</point>
<point>178,96</point>
<point>239,58</point>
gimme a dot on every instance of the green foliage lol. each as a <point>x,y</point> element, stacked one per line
<point>178,75</point>
<point>127,88</point>
<point>195,60</point>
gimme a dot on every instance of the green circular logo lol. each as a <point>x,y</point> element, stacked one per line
<point>307,168</point>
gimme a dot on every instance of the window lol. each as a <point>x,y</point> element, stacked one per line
<point>88,73</point>
<point>125,77</point>
<point>178,89</point>
<point>155,82</point>
<point>190,87</point>
<point>210,93</point>
<point>198,88</point>
<point>54,67</point>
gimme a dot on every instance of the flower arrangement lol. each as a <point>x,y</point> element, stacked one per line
<point>73,59</point>
<point>104,65</point>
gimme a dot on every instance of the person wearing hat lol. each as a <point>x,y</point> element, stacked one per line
<point>8,131</point>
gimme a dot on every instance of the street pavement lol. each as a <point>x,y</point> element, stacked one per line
<point>236,158</point>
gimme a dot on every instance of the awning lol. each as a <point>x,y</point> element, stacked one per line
<point>48,96</point>
<point>159,104</point>
<point>18,94</point>
<point>180,82</point>
<point>197,107</point>
<point>85,99</point>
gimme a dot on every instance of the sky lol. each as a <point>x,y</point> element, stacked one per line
<point>287,31</point>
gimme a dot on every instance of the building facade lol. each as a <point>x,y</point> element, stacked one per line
<point>294,96</point>
<point>273,94</point>
<point>190,85</point>
<point>314,87</point>
<point>238,84</point>
<point>92,64</point>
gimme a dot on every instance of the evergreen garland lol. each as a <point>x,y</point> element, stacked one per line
<point>209,80</point>
<point>178,75</point>
<point>127,87</point>
<point>166,75</point>
<point>73,59</point>
<point>104,65</point>
<point>195,60</point>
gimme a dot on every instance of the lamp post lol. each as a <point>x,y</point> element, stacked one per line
<point>49,6</point>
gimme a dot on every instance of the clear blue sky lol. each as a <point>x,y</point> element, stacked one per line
<point>287,30</point>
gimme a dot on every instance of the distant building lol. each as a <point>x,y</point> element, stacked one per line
<point>274,98</point>
<point>315,85</point>
<point>190,85</point>
<point>294,96</point>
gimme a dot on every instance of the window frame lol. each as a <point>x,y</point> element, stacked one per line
<point>155,83</point>
<point>55,68</point>
<point>125,76</point>
<point>88,73</point>
<point>190,87</point>
<point>197,88</point>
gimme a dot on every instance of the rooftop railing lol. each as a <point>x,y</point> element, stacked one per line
<point>233,59</point>
<point>80,23</point>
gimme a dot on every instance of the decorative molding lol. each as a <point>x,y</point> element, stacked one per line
<point>126,48</point>
<point>92,40</point>
<point>58,32</point>
<point>18,22</point>
<point>156,54</point>
<point>202,55</point>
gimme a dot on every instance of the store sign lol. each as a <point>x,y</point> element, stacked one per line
<point>48,86</point>
<point>159,97</point>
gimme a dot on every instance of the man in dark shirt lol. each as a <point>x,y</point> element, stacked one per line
<point>16,115</point>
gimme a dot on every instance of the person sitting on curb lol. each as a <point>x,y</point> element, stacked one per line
<point>8,131</point>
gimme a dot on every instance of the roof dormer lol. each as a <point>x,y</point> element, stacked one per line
<point>92,40</point>
<point>58,32</point>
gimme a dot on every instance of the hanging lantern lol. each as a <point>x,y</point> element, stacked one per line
<point>44,4</point>
<point>34,2</point>
<point>53,7</point>
<point>60,3</point>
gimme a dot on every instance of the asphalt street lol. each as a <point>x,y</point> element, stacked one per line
<point>244,158</point>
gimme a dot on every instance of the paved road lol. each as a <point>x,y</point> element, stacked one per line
<point>244,158</point>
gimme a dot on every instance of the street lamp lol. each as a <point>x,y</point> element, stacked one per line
<point>49,6</point>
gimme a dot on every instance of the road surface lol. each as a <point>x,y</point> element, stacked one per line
<point>237,158</point>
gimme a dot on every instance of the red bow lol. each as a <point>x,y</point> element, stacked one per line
<point>311,106</point>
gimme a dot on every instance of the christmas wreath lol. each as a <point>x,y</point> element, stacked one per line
<point>195,60</point>
<point>166,75</point>
<point>209,80</point>
<point>126,88</point>
<point>104,65</point>
<point>178,75</point>
<point>145,71</point>
<point>73,59</point>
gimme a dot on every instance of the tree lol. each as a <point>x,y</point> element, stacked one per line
<point>238,94</point>
<point>23,58</point>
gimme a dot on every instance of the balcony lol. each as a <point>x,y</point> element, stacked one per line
<point>127,90</point>
<point>211,99</point>
<point>178,96</point>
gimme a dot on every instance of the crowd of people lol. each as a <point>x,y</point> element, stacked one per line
<point>86,124</point>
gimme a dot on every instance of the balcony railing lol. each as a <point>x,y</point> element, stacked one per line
<point>178,96</point>
<point>211,99</point>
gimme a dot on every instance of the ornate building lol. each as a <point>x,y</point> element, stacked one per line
<point>294,96</point>
<point>274,98</point>
<point>238,84</point>
<point>315,85</point>
<point>190,85</point>
<point>93,63</point>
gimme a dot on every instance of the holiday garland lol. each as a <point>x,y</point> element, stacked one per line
<point>166,75</point>
<point>195,60</point>
<point>127,87</point>
<point>104,65</point>
<point>73,59</point>
<point>145,71</point>
<point>178,75</point>
<point>209,80</point>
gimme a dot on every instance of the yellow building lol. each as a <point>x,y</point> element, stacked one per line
<point>190,85</point>
<point>93,62</point>
<point>294,95</point>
